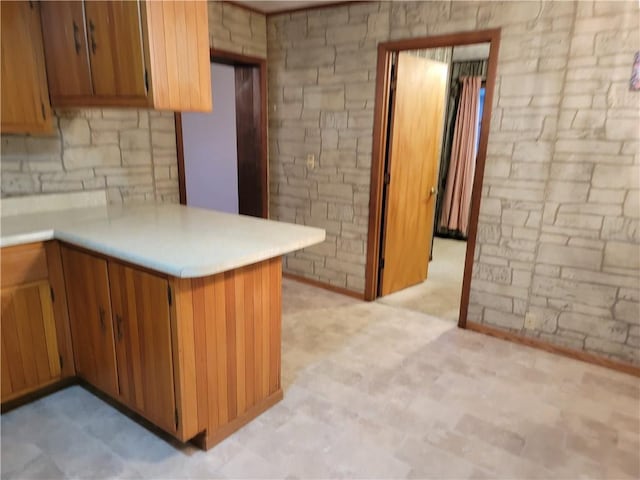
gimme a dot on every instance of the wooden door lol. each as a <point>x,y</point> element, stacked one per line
<point>251,169</point>
<point>89,304</point>
<point>143,343</point>
<point>115,48</point>
<point>24,93</point>
<point>30,356</point>
<point>65,47</point>
<point>415,140</point>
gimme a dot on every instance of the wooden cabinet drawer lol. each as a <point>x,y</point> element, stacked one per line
<point>23,264</point>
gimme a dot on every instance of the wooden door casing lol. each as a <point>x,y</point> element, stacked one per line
<point>25,94</point>
<point>143,343</point>
<point>415,142</point>
<point>87,281</point>
<point>114,38</point>
<point>30,354</point>
<point>65,45</point>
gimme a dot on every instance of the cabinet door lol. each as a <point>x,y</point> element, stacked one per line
<point>30,357</point>
<point>115,48</point>
<point>65,47</point>
<point>143,343</point>
<point>24,97</point>
<point>87,284</point>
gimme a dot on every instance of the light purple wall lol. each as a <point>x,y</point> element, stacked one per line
<point>210,150</point>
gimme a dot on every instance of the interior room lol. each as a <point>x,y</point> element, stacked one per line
<point>312,239</point>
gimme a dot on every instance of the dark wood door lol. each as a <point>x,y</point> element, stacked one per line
<point>416,137</point>
<point>115,47</point>
<point>251,170</point>
<point>89,303</point>
<point>65,46</point>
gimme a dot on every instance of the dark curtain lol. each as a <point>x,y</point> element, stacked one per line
<point>473,68</point>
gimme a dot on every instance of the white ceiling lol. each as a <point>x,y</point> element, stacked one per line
<point>272,6</point>
<point>477,51</point>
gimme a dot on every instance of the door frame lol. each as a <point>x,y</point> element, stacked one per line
<point>381,108</point>
<point>234,59</point>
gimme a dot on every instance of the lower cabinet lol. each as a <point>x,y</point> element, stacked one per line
<point>143,343</point>
<point>121,327</point>
<point>30,356</point>
<point>90,318</point>
<point>36,344</point>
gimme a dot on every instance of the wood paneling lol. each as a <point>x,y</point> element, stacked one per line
<point>416,135</point>
<point>65,45</point>
<point>184,344</point>
<point>143,343</point>
<point>115,48</point>
<point>177,39</point>
<point>234,345</point>
<point>29,343</point>
<point>23,264</point>
<point>90,316</point>
<point>25,95</point>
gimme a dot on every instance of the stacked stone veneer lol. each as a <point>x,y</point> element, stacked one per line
<point>558,246</point>
<point>131,153</point>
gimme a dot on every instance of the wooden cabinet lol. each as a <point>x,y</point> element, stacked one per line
<point>197,357</point>
<point>121,326</point>
<point>36,343</point>
<point>128,53</point>
<point>143,343</point>
<point>90,318</point>
<point>25,96</point>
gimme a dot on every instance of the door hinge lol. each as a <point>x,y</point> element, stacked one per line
<point>176,418</point>
<point>169,297</point>
<point>53,295</point>
<point>387,178</point>
<point>44,116</point>
<point>381,263</point>
<point>61,361</point>
<point>146,80</point>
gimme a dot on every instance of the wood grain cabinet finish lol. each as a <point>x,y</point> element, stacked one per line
<point>36,342</point>
<point>143,343</point>
<point>197,357</point>
<point>128,53</point>
<point>25,95</point>
<point>86,277</point>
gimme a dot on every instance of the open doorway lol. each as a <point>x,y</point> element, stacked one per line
<point>222,155</point>
<point>433,109</point>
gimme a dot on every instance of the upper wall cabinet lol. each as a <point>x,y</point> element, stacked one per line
<point>25,98</point>
<point>128,53</point>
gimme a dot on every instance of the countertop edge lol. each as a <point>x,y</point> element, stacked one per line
<point>189,271</point>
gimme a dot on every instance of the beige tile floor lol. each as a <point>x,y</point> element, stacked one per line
<point>371,391</point>
<point>439,294</point>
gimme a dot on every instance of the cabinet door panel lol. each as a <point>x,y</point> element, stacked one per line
<point>143,343</point>
<point>65,46</point>
<point>90,316</point>
<point>25,97</point>
<point>29,346</point>
<point>115,48</point>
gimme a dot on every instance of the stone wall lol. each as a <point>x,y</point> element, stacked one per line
<point>236,29</point>
<point>558,246</point>
<point>130,153</point>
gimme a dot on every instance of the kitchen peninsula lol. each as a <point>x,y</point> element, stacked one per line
<point>171,311</point>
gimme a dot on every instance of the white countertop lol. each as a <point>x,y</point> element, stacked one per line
<point>176,240</point>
